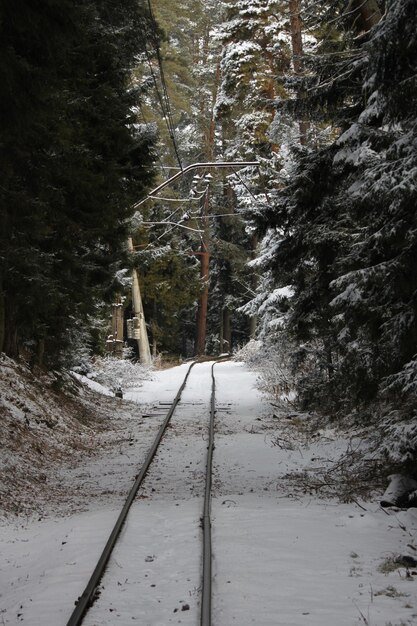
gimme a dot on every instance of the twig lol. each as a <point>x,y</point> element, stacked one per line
<point>359,505</point>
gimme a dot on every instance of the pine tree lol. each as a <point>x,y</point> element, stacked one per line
<point>254,52</point>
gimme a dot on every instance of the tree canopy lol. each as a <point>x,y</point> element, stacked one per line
<point>342,230</point>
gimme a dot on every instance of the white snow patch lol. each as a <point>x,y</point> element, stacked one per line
<point>280,557</point>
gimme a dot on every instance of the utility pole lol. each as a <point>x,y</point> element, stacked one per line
<point>142,338</point>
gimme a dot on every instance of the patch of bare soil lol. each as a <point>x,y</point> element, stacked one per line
<point>50,423</point>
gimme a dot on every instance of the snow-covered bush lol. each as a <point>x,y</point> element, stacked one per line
<point>273,363</point>
<point>403,382</point>
<point>399,438</point>
<point>114,373</point>
<point>249,352</point>
<point>275,375</point>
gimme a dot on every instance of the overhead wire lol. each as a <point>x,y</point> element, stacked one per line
<point>183,200</point>
<point>162,103</point>
<point>166,107</point>
<point>257,201</point>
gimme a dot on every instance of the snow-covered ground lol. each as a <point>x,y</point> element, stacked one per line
<point>282,556</point>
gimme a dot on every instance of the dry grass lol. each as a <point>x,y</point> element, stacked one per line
<point>357,472</point>
<point>46,424</point>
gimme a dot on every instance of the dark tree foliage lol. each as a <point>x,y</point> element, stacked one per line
<point>229,281</point>
<point>71,158</point>
<point>330,85</point>
<point>170,290</point>
<point>346,232</point>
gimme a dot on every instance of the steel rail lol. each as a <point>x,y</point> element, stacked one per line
<point>206,520</point>
<point>87,597</point>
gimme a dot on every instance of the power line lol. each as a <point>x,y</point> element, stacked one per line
<point>161,100</point>
<point>166,108</point>
<point>259,202</point>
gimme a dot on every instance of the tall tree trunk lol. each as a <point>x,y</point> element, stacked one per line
<point>210,139</point>
<point>369,12</point>
<point>117,323</point>
<point>203,304</point>
<point>297,50</point>
<point>2,316</point>
<point>204,275</point>
<point>154,327</point>
<point>200,344</point>
<point>40,352</point>
<point>253,321</point>
<point>296,40</point>
<point>10,342</point>
<point>221,334</point>
<point>227,331</point>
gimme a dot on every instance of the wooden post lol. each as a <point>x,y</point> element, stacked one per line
<point>117,328</point>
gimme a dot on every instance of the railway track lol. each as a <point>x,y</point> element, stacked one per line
<point>91,591</point>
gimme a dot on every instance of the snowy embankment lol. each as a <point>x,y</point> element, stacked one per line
<point>50,428</point>
<point>282,555</point>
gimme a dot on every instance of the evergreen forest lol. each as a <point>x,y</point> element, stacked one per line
<point>308,246</point>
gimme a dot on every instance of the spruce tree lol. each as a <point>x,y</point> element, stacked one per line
<point>343,229</point>
<point>73,160</point>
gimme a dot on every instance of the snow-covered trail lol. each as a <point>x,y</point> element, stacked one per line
<point>289,561</point>
<point>278,560</point>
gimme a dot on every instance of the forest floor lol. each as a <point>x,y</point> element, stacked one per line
<point>299,537</point>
